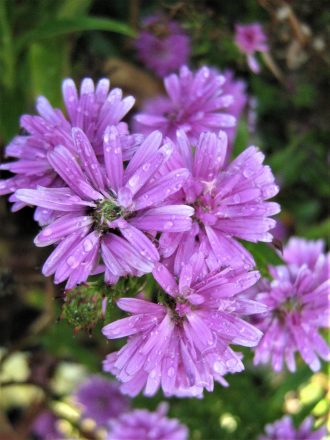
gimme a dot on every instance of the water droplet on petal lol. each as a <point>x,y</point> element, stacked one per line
<point>72,262</point>
<point>88,245</point>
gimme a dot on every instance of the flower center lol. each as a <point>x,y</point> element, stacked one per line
<point>106,211</point>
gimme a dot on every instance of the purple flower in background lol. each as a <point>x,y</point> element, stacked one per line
<point>229,202</point>
<point>92,111</point>
<point>162,45</point>
<point>141,424</point>
<point>250,38</point>
<point>45,426</point>
<point>298,303</point>
<point>195,103</point>
<point>101,399</point>
<point>284,429</point>
<point>107,210</point>
<point>299,251</point>
<point>237,89</point>
<point>197,319</point>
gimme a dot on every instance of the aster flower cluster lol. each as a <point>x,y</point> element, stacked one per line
<point>284,430</point>
<point>122,204</point>
<point>297,299</point>
<point>167,200</point>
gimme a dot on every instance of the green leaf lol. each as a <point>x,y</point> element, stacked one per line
<point>64,26</point>
<point>264,255</point>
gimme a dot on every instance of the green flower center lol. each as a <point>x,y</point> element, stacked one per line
<point>106,211</point>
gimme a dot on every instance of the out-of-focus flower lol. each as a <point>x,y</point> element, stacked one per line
<point>237,89</point>
<point>101,399</point>
<point>45,426</point>
<point>298,303</point>
<point>141,424</point>
<point>162,45</point>
<point>182,343</point>
<point>229,201</point>
<point>92,111</point>
<point>107,211</point>
<point>195,103</point>
<point>284,429</point>
<point>250,38</point>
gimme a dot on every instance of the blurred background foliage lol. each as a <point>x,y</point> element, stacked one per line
<point>43,41</point>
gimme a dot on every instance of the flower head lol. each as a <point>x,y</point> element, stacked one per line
<point>195,103</point>
<point>284,430</point>
<point>198,318</point>
<point>45,426</point>
<point>92,111</point>
<point>230,201</point>
<point>107,211</point>
<point>101,399</point>
<point>237,89</point>
<point>250,38</point>
<point>141,424</point>
<point>298,307</point>
<point>155,45</point>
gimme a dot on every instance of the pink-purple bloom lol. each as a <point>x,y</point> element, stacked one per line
<point>250,38</point>
<point>107,211</point>
<point>195,103</point>
<point>298,307</point>
<point>91,110</point>
<point>237,89</point>
<point>45,427</point>
<point>141,424</point>
<point>162,45</point>
<point>101,399</point>
<point>230,201</point>
<point>284,429</point>
<point>182,343</point>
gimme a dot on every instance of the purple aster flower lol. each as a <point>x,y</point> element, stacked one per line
<point>91,111</point>
<point>162,45</point>
<point>284,429</point>
<point>199,316</point>
<point>237,89</point>
<point>298,303</point>
<point>195,103</point>
<point>229,201</point>
<point>45,426</point>
<point>141,424</point>
<point>107,211</point>
<point>101,399</point>
<point>250,38</point>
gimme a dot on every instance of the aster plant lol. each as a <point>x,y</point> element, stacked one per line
<point>91,110</point>
<point>197,317</point>
<point>298,307</point>
<point>100,399</point>
<point>107,211</point>
<point>141,424</point>
<point>284,429</point>
<point>155,44</point>
<point>250,38</point>
<point>195,103</point>
<point>230,201</point>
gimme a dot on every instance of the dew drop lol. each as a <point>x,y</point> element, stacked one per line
<point>88,245</point>
<point>168,225</point>
<point>72,262</point>
<point>217,367</point>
